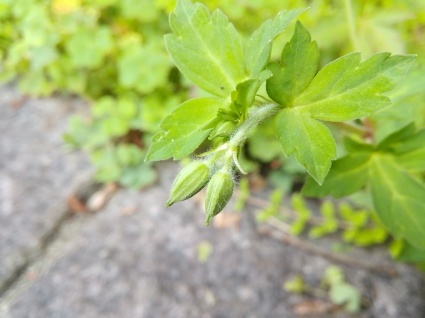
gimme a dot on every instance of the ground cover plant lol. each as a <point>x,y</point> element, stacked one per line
<point>353,122</point>
<point>303,101</point>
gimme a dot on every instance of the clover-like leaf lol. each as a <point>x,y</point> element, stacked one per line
<point>206,48</point>
<point>184,129</point>
<point>307,138</point>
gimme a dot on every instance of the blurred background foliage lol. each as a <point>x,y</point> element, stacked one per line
<point>111,52</point>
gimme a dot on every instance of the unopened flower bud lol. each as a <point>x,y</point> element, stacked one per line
<point>189,181</point>
<point>219,192</point>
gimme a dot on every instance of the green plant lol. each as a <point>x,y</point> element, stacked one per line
<point>90,48</point>
<point>305,105</point>
<point>338,290</point>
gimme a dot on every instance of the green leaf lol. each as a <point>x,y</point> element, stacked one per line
<point>410,154</point>
<point>346,89</point>
<point>333,276</point>
<point>399,200</point>
<point>135,68</point>
<point>298,66</point>
<point>260,43</point>
<point>244,95</point>
<point>398,136</point>
<point>356,145</point>
<point>347,175</point>
<point>137,176</point>
<point>87,48</point>
<point>346,294</point>
<point>356,218</point>
<point>411,254</point>
<point>206,48</point>
<point>328,225</point>
<point>184,129</point>
<point>303,213</point>
<point>204,251</point>
<point>295,285</point>
<point>307,138</point>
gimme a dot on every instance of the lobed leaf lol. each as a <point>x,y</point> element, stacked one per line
<point>259,45</point>
<point>348,175</point>
<point>299,62</point>
<point>346,89</point>
<point>184,129</point>
<point>307,138</point>
<point>399,200</point>
<point>206,48</point>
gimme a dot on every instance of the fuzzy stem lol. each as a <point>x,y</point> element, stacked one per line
<point>255,116</point>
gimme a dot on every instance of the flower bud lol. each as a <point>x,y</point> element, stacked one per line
<point>219,192</point>
<point>189,181</point>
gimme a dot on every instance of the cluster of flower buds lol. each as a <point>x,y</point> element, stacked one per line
<point>193,177</point>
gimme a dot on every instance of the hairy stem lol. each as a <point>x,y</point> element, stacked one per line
<point>255,116</point>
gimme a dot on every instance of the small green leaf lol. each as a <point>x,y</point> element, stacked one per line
<point>303,213</point>
<point>245,93</point>
<point>399,200</point>
<point>260,43</point>
<point>204,250</point>
<point>347,175</point>
<point>346,89</point>
<point>333,276</point>
<point>295,285</point>
<point>329,223</point>
<point>307,138</point>
<point>346,294</point>
<point>298,66</point>
<point>273,209</point>
<point>87,48</point>
<point>356,218</point>
<point>183,130</point>
<point>138,176</point>
<point>206,48</point>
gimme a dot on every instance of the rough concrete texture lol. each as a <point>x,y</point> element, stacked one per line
<point>135,258</point>
<point>37,173</point>
<point>138,259</point>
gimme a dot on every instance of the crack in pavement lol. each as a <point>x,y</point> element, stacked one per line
<point>51,249</point>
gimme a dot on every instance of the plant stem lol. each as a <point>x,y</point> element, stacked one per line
<point>351,23</point>
<point>255,116</point>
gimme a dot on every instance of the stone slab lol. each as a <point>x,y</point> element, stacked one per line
<point>37,173</point>
<point>138,259</point>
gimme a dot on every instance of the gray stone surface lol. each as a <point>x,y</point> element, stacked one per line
<point>138,259</point>
<point>37,173</point>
